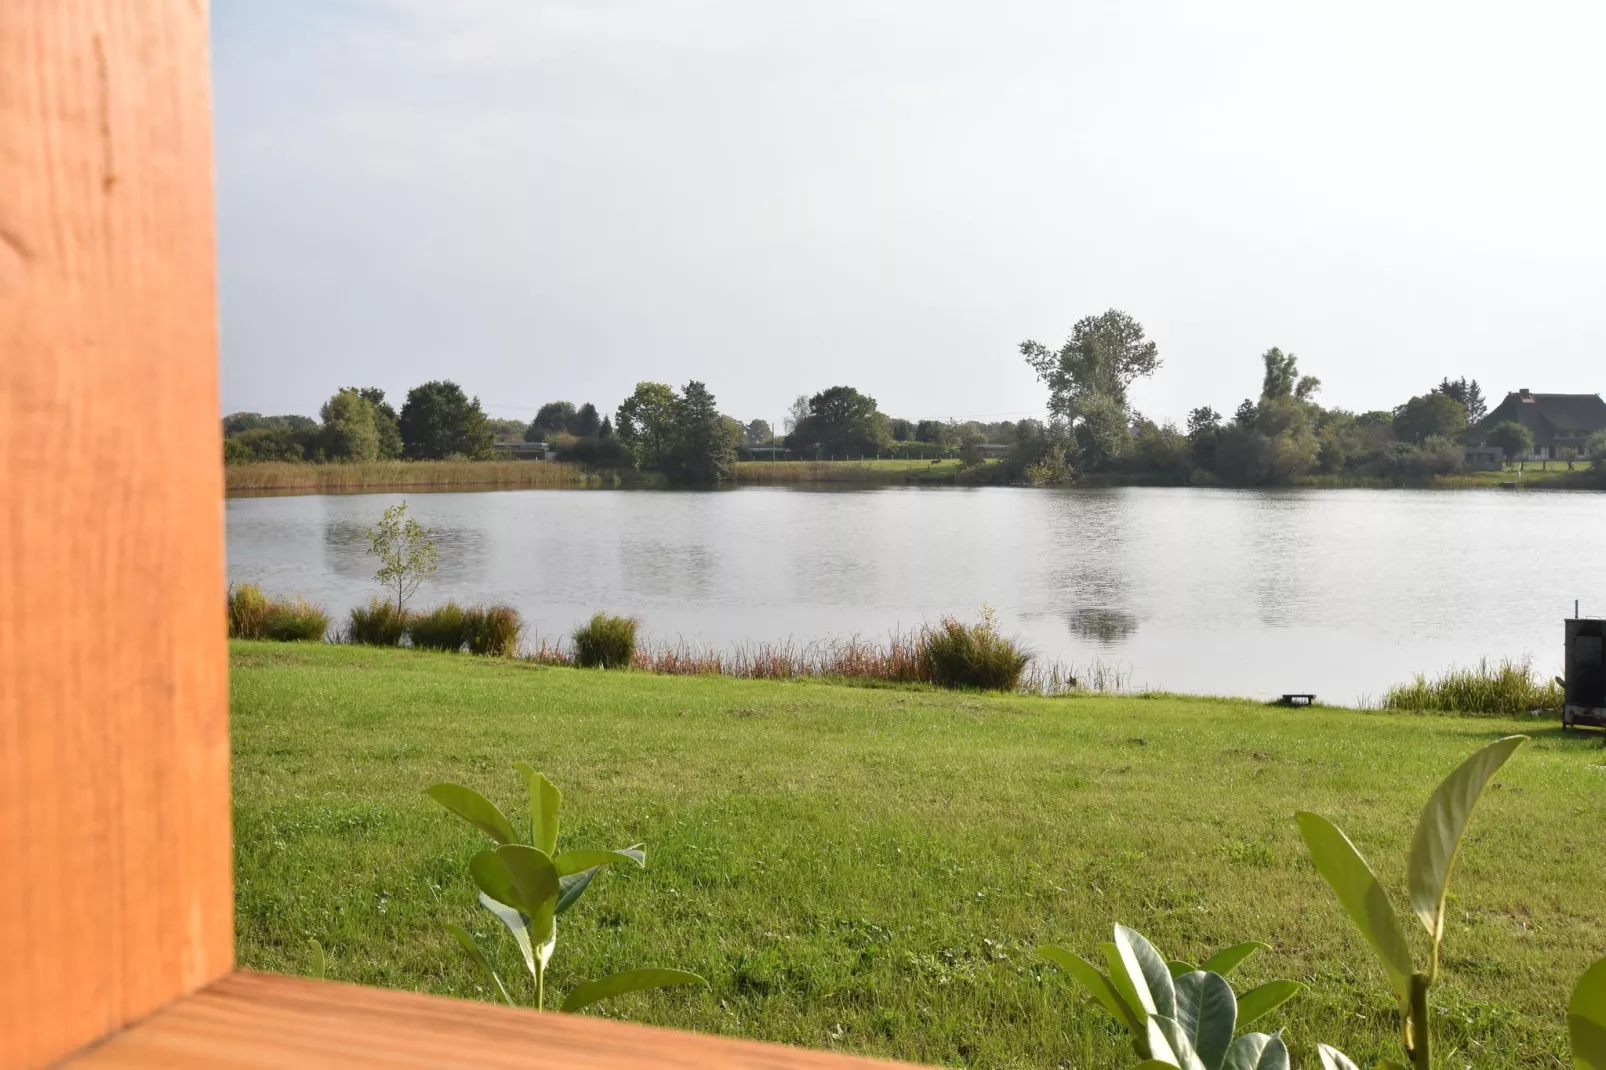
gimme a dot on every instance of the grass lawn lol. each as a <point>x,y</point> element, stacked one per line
<point>869,869</point>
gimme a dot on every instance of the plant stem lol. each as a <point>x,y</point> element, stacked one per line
<point>540,986</point>
<point>1421,1042</point>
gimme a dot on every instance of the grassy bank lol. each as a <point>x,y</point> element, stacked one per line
<point>868,869</point>
<point>284,478</point>
<point>886,471</point>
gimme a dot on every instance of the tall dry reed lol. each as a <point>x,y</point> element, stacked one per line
<point>1504,689</point>
<point>271,477</point>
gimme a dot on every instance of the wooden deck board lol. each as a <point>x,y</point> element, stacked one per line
<point>251,1020</point>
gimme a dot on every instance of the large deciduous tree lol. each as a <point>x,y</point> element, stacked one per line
<point>1513,438</point>
<point>386,423</point>
<point>1104,356</point>
<point>349,430</point>
<point>841,422</point>
<point>1432,415</point>
<point>438,421</point>
<point>646,423</point>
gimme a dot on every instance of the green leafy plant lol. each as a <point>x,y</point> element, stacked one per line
<point>528,883</point>
<point>1433,854</point>
<point>320,962</point>
<point>1179,1014</point>
<point>407,554</point>
<point>606,642</point>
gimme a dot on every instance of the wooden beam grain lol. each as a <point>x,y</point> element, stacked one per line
<point>115,886</point>
<point>253,1021</point>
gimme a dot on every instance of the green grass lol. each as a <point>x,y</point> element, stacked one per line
<point>870,869</point>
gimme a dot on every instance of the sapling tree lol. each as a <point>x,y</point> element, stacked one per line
<point>527,883</point>
<point>406,550</point>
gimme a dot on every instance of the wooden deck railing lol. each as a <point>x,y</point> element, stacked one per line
<point>116,901</point>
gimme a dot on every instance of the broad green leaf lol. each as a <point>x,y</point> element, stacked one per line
<point>1151,979</point>
<point>1167,1036</point>
<point>1439,831</point>
<point>479,958</point>
<point>544,801</point>
<point>571,862</point>
<point>1178,968</point>
<point>1230,958</point>
<point>1261,1001</point>
<point>1333,1059</point>
<point>492,877</point>
<point>1257,1051</point>
<point>536,881</point>
<point>1098,986</point>
<point>474,808</point>
<point>1122,982</point>
<point>1207,1012</point>
<point>616,984</point>
<point>570,888</point>
<point>518,923</point>
<point>1362,897</point>
<point>1586,1019</point>
<point>319,963</point>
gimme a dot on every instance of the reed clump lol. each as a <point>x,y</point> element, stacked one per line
<point>972,656</point>
<point>606,642</point>
<point>492,631</point>
<point>379,623</point>
<point>440,628</point>
<point>1509,687</point>
<point>253,615</point>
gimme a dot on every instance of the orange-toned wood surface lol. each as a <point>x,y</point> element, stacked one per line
<point>115,889</point>
<point>254,1020</point>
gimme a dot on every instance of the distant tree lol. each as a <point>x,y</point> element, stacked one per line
<point>1246,414</point>
<point>902,430</point>
<point>1515,440</point>
<point>929,431</point>
<point>349,432</point>
<point>704,449</point>
<point>646,423</point>
<point>1104,355</point>
<point>1204,428</point>
<point>507,430</point>
<point>606,430</point>
<point>1595,448</point>
<point>237,423</point>
<point>1468,393</point>
<point>386,423</point>
<point>1162,450</point>
<point>1282,379</point>
<point>1432,415</point>
<point>551,418</point>
<point>438,420</point>
<point>796,413</point>
<point>758,433</point>
<point>586,423</point>
<point>269,444</point>
<point>841,422</point>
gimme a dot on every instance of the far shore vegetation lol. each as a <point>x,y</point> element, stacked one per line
<point>442,438</point>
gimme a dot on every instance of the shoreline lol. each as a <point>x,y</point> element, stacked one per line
<point>284,479</point>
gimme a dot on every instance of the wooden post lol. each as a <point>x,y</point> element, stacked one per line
<point>115,858</point>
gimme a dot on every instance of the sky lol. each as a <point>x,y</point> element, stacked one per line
<point>556,199</point>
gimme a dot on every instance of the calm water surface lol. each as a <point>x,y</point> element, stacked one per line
<point>1230,592</point>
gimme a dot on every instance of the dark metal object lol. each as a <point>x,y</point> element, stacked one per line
<point>1299,700</point>
<point>1585,683</point>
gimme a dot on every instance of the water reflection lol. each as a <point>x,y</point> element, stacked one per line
<point>1340,592</point>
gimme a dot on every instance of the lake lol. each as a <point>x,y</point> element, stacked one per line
<point>1254,593</point>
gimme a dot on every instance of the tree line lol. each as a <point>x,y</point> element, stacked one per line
<point>1092,428</point>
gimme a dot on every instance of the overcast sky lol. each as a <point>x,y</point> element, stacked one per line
<point>553,200</point>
